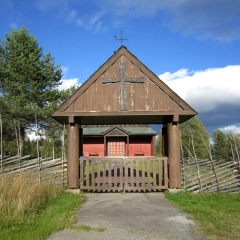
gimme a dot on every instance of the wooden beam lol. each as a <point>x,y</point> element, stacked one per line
<point>128,113</point>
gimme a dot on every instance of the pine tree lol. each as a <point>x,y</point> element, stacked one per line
<point>194,136</point>
<point>28,80</point>
<point>220,146</point>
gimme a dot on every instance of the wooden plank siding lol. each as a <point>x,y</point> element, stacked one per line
<point>145,96</point>
<point>141,174</point>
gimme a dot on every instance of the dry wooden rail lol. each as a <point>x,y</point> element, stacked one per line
<point>141,173</point>
<point>48,168</point>
<point>214,176</point>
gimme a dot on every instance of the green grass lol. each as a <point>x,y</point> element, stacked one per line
<point>87,228</point>
<point>217,214</point>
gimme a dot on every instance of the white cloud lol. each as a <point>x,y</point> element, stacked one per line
<point>167,76</point>
<point>67,83</point>
<point>64,70</point>
<point>233,128</point>
<point>208,89</point>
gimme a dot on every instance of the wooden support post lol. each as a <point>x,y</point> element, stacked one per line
<point>164,141</point>
<point>173,136</point>
<point>127,146</point>
<point>153,146</point>
<point>80,141</point>
<point>73,154</point>
<point>105,146</point>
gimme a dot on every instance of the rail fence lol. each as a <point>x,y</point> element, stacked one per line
<point>42,169</point>
<point>201,176</point>
<point>206,176</point>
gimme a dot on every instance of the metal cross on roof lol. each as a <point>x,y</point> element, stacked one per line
<point>123,80</point>
<point>121,39</point>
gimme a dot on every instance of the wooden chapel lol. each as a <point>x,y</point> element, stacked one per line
<point>123,91</point>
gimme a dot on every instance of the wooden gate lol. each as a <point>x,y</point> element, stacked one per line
<point>142,173</point>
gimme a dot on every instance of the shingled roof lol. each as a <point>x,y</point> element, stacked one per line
<point>129,130</point>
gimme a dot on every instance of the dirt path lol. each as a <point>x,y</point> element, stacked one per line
<point>130,216</point>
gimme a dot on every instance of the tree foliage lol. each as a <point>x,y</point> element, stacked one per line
<point>220,146</point>
<point>226,146</point>
<point>194,139</point>
<point>28,80</point>
<point>158,144</point>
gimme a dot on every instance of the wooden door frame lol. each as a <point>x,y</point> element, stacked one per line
<point>117,136</point>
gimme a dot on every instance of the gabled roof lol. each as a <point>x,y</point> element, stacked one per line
<point>116,130</point>
<point>96,103</point>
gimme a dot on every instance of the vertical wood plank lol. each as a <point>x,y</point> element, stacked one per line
<point>109,173</point>
<point>154,172</point>
<point>148,174</point>
<point>93,172</point>
<point>115,173</point>
<point>98,174</point>
<point>131,173</point>
<point>137,173</point>
<point>121,173</point>
<point>81,173</point>
<point>160,173</point>
<point>87,173</point>
<point>126,174</point>
<point>143,174</point>
<point>165,173</point>
<point>104,174</point>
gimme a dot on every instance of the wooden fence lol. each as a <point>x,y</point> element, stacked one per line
<point>210,175</point>
<point>42,169</point>
<point>131,173</point>
<point>142,174</point>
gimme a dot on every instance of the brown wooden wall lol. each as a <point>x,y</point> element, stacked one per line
<point>145,96</point>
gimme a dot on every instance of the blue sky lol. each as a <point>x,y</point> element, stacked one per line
<point>193,46</point>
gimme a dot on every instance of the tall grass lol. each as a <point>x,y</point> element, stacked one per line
<point>21,195</point>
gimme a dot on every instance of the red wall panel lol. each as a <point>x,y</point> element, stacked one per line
<point>93,145</point>
<point>140,144</point>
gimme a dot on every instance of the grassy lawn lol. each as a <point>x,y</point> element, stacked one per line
<point>34,211</point>
<point>217,214</point>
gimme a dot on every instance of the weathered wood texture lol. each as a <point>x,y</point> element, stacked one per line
<point>214,176</point>
<point>142,174</point>
<point>54,170</point>
<point>140,96</point>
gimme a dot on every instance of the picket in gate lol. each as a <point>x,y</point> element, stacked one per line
<point>142,173</point>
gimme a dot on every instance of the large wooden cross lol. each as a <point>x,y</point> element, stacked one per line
<point>123,80</point>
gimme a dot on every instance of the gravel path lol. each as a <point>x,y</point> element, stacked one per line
<point>130,216</point>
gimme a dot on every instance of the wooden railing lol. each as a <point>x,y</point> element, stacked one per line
<point>206,175</point>
<point>139,173</point>
<point>42,169</point>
